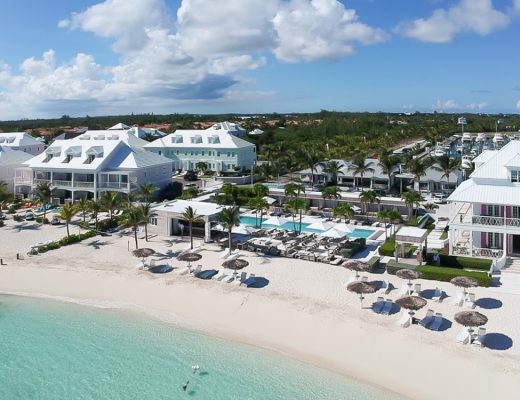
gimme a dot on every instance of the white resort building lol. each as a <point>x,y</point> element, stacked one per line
<point>218,147</point>
<point>21,141</point>
<point>10,160</point>
<point>485,209</point>
<point>92,163</point>
<point>138,131</point>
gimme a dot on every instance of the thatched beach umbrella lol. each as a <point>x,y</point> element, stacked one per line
<point>361,288</point>
<point>143,253</point>
<point>409,274</point>
<point>190,257</point>
<point>411,303</point>
<point>235,264</point>
<point>464,282</point>
<point>471,319</point>
<point>356,266</point>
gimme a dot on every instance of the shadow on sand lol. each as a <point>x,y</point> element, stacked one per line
<point>160,269</point>
<point>488,303</point>
<point>498,341</point>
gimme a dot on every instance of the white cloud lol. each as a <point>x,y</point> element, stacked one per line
<point>516,5</point>
<point>319,29</point>
<point>451,104</point>
<point>200,55</point>
<point>475,16</point>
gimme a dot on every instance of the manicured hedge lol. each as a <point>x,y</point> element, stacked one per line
<point>373,263</point>
<point>353,247</point>
<point>388,248</point>
<point>439,273</point>
<point>459,262</point>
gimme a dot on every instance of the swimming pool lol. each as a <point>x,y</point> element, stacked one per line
<point>251,221</point>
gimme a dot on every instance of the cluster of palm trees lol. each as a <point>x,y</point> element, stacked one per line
<point>134,213</point>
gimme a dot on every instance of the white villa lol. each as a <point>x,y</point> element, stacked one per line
<point>10,160</point>
<point>137,131</point>
<point>92,163</point>
<point>485,209</point>
<point>21,141</point>
<point>217,146</point>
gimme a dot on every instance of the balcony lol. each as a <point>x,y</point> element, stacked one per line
<point>477,252</point>
<point>37,181</point>
<point>22,180</point>
<point>62,183</point>
<point>84,185</point>
<point>113,185</point>
<point>495,221</point>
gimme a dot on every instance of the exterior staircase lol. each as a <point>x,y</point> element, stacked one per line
<point>512,265</point>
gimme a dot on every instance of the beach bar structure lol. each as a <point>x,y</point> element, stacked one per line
<point>409,235</point>
<point>168,218</point>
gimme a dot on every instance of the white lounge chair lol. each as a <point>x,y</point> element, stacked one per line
<point>427,320</point>
<point>152,263</point>
<point>405,320</point>
<point>241,279</point>
<point>205,274</point>
<point>459,299</point>
<point>182,271</point>
<point>469,301</point>
<point>385,287</point>
<point>197,270</point>
<point>219,275</point>
<point>249,281</point>
<point>463,337</point>
<point>437,296</point>
<point>387,308</point>
<point>230,276</point>
<point>417,289</point>
<point>481,337</point>
<point>378,305</point>
<point>364,279</point>
<point>437,322</point>
<point>140,265</point>
<point>338,260</point>
<point>404,290</point>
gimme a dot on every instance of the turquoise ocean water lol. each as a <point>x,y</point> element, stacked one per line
<point>54,350</point>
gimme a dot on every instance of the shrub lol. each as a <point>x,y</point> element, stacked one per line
<point>39,219</point>
<point>388,247</point>
<point>69,240</point>
<point>171,191</point>
<point>373,263</point>
<point>45,221</point>
<point>42,249</point>
<point>11,210</point>
<point>353,247</point>
<point>439,273</point>
<point>459,262</point>
<point>53,246</point>
<point>17,218</point>
<point>2,224</point>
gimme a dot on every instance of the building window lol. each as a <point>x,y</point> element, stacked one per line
<point>515,176</point>
<point>493,210</point>
<point>493,240</point>
<point>218,153</point>
<point>515,212</point>
<point>152,221</point>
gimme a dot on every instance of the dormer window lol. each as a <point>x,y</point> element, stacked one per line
<point>177,139</point>
<point>515,176</point>
<point>68,158</point>
<point>48,158</point>
<point>90,158</point>
<point>196,139</point>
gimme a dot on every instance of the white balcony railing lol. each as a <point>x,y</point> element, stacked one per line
<point>22,180</point>
<point>86,185</point>
<point>37,181</point>
<point>477,252</point>
<point>495,221</point>
<point>62,183</point>
<point>113,185</point>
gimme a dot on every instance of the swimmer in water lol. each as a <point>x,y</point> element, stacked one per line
<point>185,385</point>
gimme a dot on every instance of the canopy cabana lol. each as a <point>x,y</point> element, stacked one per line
<point>410,235</point>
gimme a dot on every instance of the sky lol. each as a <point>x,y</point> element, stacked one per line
<point>94,57</point>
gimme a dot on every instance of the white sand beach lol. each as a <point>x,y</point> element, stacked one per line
<point>304,310</point>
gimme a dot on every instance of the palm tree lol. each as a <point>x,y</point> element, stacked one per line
<point>190,216</point>
<point>333,168</point>
<point>95,207</point>
<point>261,190</point>
<point>201,166</point>
<point>368,197</point>
<point>394,216</point>
<point>229,218</point>
<point>311,158</point>
<point>4,194</point>
<point>361,167</point>
<point>133,217</point>
<point>231,191</point>
<point>297,206</point>
<point>331,192</point>
<point>110,202</point>
<point>146,210</point>
<point>293,189</point>
<point>446,165</point>
<point>259,204</point>
<point>83,206</point>
<point>388,165</point>
<point>417,168</point>
<point>43,193</point>
<point>383,216</point>
<point>344,210</point>
<point>147,190</point>
<point>67,213</point>
<point>412,199</point>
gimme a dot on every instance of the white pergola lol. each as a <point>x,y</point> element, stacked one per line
<point>410,235</point>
